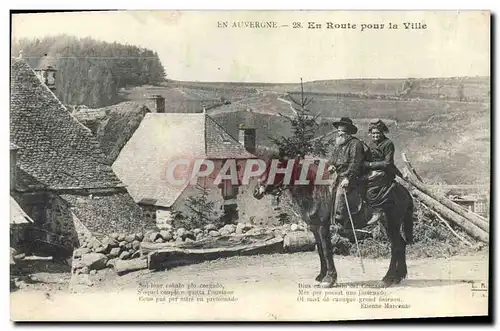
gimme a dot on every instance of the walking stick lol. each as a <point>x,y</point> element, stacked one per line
<point>353,230</point>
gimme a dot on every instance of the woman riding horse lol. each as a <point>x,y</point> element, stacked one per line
<point>316,203</point>
<point>380,169</point>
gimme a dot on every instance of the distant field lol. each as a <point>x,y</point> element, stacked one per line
<point>419,110</point>
<point>266,126</point>
<point>454,88</point>
<point>448,141</point>
<point>266,103</point>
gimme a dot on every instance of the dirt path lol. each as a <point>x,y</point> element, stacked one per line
<point>267,287</point>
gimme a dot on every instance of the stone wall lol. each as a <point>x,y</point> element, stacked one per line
<point>64,225</point>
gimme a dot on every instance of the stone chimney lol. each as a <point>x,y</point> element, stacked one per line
<point>246,137</point>
<point>13,165</point>
<point>159,103</point>
<point>47,75</point>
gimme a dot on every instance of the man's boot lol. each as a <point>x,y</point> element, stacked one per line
<point>378,215</point>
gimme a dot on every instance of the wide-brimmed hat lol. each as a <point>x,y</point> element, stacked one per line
<point>347,122</point>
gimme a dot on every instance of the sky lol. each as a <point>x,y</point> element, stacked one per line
<point>192,47</point>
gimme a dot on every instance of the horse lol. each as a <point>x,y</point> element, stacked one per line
<point>316,202</point>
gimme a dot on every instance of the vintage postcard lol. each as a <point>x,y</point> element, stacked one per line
<point>249,165</point>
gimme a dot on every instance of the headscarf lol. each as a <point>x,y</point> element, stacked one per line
<point>378,124</point>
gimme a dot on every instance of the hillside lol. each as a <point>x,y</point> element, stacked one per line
<point>91,72</point>
<point>447,140</point>
<point>266,125</point>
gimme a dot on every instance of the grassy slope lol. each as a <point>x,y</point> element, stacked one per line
<point>447,141</point>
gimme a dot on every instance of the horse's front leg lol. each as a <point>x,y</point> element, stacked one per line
<point>331,273</point>
<point>397,250</point>
<point>322,272</point>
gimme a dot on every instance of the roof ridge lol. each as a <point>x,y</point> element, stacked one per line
<point>224,130</point>
<point>58,101</point>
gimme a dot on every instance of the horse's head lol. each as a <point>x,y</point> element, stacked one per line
<point>264,186</point>
<point>280,183</point>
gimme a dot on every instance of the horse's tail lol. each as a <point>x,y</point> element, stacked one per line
<point>408,221</point>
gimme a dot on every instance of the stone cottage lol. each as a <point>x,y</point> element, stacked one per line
<point>58,173</point>
<point>162,137</point>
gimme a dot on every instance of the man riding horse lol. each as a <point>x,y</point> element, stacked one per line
<point>346,160</point>
<point>318,203</point>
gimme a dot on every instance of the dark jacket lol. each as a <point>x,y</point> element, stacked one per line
<point>381,157</point>
<point>348,159</point>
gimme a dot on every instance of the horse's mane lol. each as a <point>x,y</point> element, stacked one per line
<point>310,190</point>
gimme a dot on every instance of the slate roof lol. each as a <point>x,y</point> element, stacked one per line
<point>159,139</point>
<point>118,126</point>
<point>106,214</point>
<point>55,149</point>
<point>89,115</point>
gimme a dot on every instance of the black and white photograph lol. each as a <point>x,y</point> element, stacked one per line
<point>258,165</point>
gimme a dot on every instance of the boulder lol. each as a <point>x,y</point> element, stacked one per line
<point>103,249</point>
<point>110,242</point>
<point>148,235</point>
<point>294,227</point>
<point>224,232</point>
<point>114,252</point>
<point>166,235</point>
<point>139,236</point>
<point>154,235</point>
<point>130,238</point>
<point>124,255</point>
<point>122,243</point>
<point>115,236</point>
<point>196,231</point>
<point>159,240</point>
<point>96,246</point>
<point>167,227</point>
<point>111,263</point>
<point>121,237</point>
<point>77,253</point>
<point>256,231</point>
<point>181,232</point>
<point>77,265</point>
<point>210,227</point>
<point>128,246</point>
<point>214,233</point>
<point>95,260</point>
<point>136,244</point>
<point>93,272</point>
<point>243,227</point>
<point>189,240</point>
<point>199,236</point>
<point>189,235</point>
<point>230,228</point>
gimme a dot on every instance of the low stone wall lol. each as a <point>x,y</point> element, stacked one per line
<point>96,254</point>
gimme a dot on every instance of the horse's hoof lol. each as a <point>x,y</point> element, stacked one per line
<point>325,285</point>
<point>320,277</point>
<point>328,281</point>
<point>391,280</point>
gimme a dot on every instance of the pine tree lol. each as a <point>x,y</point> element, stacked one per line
<point>201,210</point>
<point>304,127</point>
